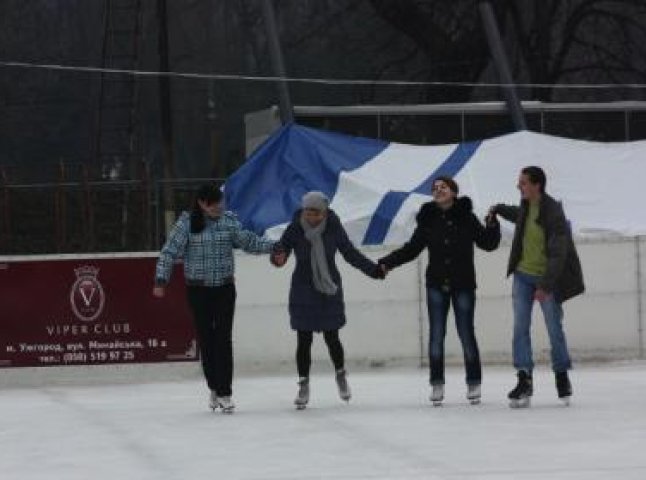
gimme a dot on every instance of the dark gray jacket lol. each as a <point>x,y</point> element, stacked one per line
<point>309,309</point>
<point>564,277</point>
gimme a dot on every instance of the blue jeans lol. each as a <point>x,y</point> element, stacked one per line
<point>523,291</point>
<point>463,301</point>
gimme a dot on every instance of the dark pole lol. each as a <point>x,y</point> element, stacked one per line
<point>502,66</point>
<point>166,114</point>
<point>277,64</point>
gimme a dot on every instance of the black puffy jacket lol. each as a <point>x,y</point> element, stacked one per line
<point>449,236</point>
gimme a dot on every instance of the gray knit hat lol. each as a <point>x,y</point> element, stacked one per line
<point>315,200</point>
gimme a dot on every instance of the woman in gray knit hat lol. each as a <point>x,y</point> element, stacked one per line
<point>316,294</point>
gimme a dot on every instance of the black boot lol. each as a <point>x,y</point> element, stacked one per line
<point>563,386</point>
<point>520,396</point>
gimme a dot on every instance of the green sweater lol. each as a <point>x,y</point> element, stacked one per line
<point>533,260</point>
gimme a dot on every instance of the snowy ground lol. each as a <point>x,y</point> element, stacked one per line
<point>389,431</point>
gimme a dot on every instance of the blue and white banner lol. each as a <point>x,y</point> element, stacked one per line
<point>377,187</point>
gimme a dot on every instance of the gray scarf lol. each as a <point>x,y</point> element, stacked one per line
<point>320,272</point>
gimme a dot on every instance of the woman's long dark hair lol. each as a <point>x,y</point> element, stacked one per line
<point>209,193</point>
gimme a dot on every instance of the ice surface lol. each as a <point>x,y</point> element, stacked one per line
<point>389,430</point>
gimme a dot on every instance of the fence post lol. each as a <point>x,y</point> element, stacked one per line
<point>5,236</point>
<point>125,200</point>
<point>89,210</point>
<point>60,214</point>
<point>146,203</point>
<point>501,63</point>
<point>640,292</point>
<point>421,302</point>
<point>157,214</point>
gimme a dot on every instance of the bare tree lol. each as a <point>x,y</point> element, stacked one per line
<point>583,40</point>
<point>551,40</point>
<point>450,35</point>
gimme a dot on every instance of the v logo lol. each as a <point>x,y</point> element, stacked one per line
<point>87,299</point>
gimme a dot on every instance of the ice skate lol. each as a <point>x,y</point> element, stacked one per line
<point>520,396</point>
<point>226,404</point>
<point>342,383</point>
<point>303,395</point>
<point>563,387</point>
<point>437,395</point>
<point>473,394</point>
<point>213,400</point>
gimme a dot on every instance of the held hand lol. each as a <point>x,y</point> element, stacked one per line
<point>159,291</point>
<point>380,272</point>
<point>384,270</point>
<point>541,295</point>
<point>491,219</point>
<point>279,259</point>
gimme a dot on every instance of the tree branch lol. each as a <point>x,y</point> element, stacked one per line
<point>325,25</point>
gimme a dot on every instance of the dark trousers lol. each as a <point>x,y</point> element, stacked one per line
<point>304,350</point>
<point>213,309</point>
<point>464,307</point>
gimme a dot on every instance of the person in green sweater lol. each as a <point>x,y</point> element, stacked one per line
<point>546,269</point>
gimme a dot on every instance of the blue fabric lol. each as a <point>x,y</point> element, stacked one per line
<point>268,188</point>
<point>452,166</point>
<point>383,217</point>
<point>393,201</point>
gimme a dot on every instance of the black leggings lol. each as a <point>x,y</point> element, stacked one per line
<point>304,349</point>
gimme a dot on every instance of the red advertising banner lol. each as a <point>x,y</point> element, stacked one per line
<point>82,310</point>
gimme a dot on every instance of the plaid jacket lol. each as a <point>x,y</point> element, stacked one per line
<point>208,255</point>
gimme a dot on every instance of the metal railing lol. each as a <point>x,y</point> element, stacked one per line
<point>90,215</point>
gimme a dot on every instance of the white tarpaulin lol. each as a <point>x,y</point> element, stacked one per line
<point>377,187</point>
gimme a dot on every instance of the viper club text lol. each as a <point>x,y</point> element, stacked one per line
<point>94,329</point>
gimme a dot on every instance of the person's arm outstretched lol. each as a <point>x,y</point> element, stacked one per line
<point>355,258</point>
<point>487,237</point>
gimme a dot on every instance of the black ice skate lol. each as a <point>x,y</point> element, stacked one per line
<point>520,396</point>
<point>342,384</point>
<point>563,387</point>
<point>303,395</point>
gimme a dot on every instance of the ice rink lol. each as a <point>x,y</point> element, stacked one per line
<point>162,430</point>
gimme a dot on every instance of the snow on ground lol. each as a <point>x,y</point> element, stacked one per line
<point>164,431</point>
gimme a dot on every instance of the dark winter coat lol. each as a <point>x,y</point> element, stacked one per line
<point>309,309</point>
<point>564,276</point>
<point>449,236</point>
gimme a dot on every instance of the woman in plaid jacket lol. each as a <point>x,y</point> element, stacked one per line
<point>205,239</point>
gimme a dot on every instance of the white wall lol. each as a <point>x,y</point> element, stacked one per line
<point>384,324</point>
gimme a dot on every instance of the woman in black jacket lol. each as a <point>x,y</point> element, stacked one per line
<point>448,228</point>
<point>316,294</point>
